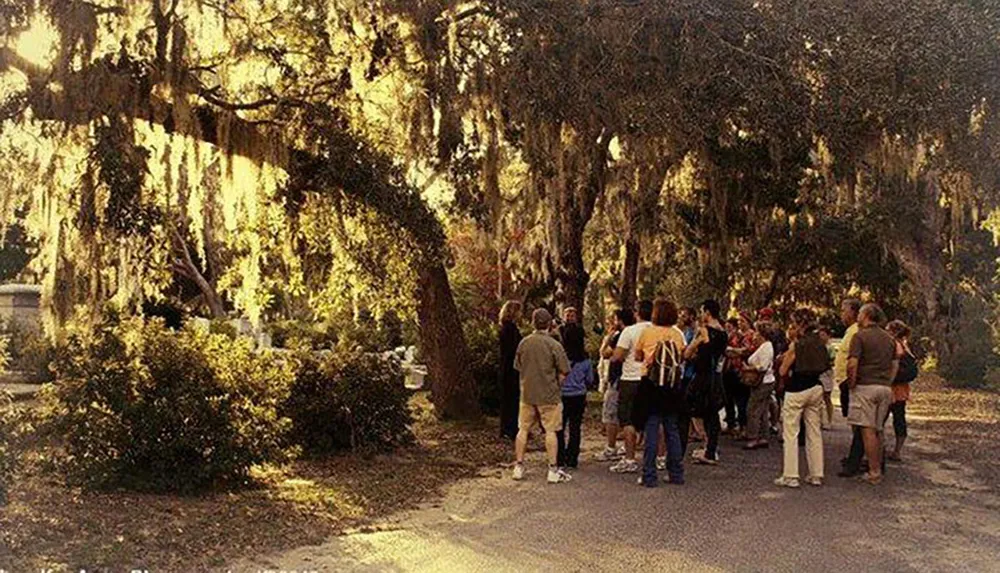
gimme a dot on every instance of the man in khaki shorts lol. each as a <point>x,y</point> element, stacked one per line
<point>871,368</point>
<point>542,364</point>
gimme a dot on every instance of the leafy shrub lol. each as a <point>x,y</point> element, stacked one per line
<point>483,339</point>
<point>8,458</point>
<point>142,407</point>
<point>15,425</point>
<point>348,400</point>
<point>28,350</point>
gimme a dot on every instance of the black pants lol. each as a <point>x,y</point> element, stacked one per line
<point>857,451</point>
<point>737,400</point>
<point>684,425</point>
<point>510,403</point>
<point>898,411</point>
<point>573,408</point>
<point>713,427</point>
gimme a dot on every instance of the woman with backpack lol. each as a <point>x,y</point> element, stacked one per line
<point>661,392</point>
<point>802,365</point>
<point>901,385</point>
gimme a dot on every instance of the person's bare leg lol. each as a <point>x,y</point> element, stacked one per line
<point>552,448</point>
<point>521,445</point>
<point>873,449</point>
<point>611,431</point>
<point>698,428</point>
<point>630,439</point>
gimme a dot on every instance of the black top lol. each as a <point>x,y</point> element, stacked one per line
<point>573,341</point>
<point>706,362</point>
<point>510,338</point>
<point>811,360</point>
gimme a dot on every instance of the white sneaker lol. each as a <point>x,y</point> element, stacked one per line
<point>518,472</point>
<point>787,482</point>
<point>625,467</point>
<point>608,455</point>
<point>558,476</point>
<point>621,451</point>
<point>814,480</point>
<point>661,463</point>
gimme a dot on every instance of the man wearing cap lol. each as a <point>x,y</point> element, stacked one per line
<point>542,364</point>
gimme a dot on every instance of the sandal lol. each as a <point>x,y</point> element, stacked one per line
<point>870,479</point>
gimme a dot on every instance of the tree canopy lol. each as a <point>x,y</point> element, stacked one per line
<point>298,159</point>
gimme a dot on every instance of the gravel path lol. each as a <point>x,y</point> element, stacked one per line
<point>932,513</point>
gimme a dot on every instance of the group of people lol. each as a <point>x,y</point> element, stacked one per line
<point>666,373</point>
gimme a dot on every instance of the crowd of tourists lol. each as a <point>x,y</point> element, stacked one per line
<point>666,374</point>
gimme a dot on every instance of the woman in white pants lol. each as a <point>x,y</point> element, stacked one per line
<point>806,359</point>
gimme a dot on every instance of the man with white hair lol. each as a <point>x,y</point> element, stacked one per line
<point>543,366</point>
<point>871,368</point>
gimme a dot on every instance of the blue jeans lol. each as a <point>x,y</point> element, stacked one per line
<point>675,456</point>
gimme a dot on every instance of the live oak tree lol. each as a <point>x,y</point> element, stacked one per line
<point>187,72</point>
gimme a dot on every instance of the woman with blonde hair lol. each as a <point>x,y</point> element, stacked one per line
<point>508,379</point>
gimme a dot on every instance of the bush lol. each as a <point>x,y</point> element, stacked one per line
<point>142,407</point>
<point>348,400</point>
<point>8,457</point>
<point>28,351</point>
<point>483,339</point>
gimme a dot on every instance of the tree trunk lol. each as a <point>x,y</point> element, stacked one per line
<point>630,272</point>
<point>581,165</point>
<point>453,391</point>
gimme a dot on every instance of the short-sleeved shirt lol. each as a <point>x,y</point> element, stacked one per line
<point>652,336</point>
<point>541,361</point>
<point>763,361</point>
<point>875,350</point>
<point>631,368</point>
<point>843,353</point>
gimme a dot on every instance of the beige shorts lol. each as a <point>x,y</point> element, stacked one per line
<point>869,406</point>
<point>548,415</point>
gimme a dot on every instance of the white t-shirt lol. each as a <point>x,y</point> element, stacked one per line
<point>763,360</point>
<point>631,368</point>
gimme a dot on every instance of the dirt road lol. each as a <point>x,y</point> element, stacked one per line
<point>933,513</point>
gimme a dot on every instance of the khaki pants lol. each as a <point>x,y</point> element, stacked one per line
<point>807,405</point>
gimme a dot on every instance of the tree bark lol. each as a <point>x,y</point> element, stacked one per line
<point>453,390</point>
<point>630,272</point>
<point>581,160</point>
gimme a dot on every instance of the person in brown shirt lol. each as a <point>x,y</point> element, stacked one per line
<point>871,368</point>
<point>543,365</point>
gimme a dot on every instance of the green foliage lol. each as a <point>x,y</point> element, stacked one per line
<point>484,362</point>
<point>28,351</point>
<point>347,400</point>
<point>16,250</point>
<point>8,446</point>
<point>971,360</point>
<point>143,407</point>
